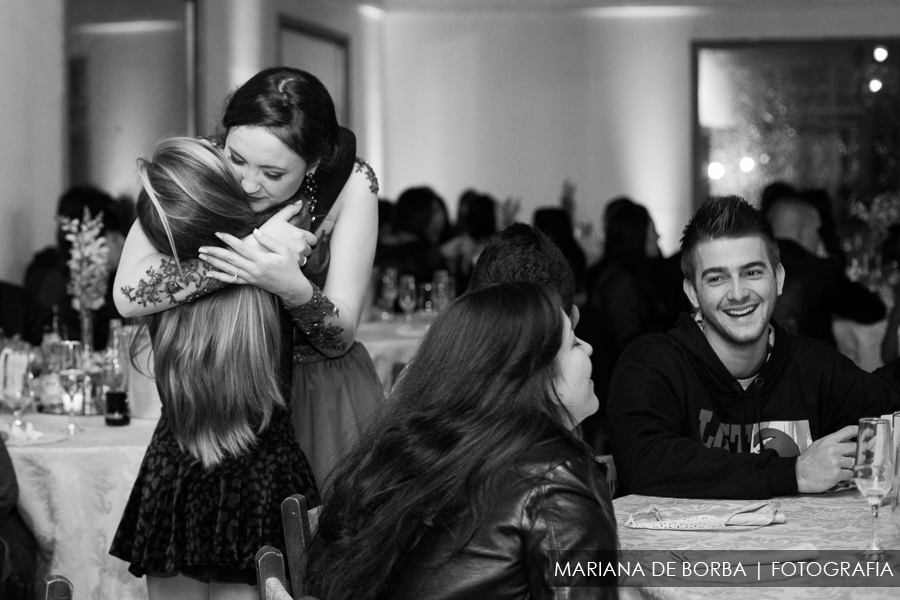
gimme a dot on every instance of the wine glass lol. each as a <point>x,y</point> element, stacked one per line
<point>18,390</point>
<point>71,375</point>
<point>389,293</point>
<point>872,471</point>
<point>408,296</point>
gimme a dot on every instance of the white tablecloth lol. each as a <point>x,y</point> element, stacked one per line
<point>830,521</point>
<point>72,493</point>
<point>391,345</point>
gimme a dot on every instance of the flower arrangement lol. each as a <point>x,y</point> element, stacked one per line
<point>88,267</point>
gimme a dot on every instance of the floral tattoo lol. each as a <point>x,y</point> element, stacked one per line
<point>363,167</point>
<point>310,319</point>
<point>165,283</point>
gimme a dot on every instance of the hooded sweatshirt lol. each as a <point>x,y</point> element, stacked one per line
<point>681,425</point>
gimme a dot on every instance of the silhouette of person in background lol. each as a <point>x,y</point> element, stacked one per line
<point>476,222</point>
<point>557,225</point>
<point>815,286</point>
<point>420,223</point>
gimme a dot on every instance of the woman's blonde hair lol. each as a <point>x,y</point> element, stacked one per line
<point>216,358</point>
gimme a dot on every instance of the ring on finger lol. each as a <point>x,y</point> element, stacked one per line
<point>234,278</point>
<point>304,260</point>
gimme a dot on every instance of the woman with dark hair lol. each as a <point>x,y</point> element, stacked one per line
<point>223,455</point>
<point>476,223</point>
<point>623,299</point>
<point>283,142</point>
<point>470,479</point>
<point>419,226</point>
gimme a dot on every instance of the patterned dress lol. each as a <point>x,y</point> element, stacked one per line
<point>209,523</point>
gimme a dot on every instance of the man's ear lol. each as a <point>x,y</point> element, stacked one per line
<point>779,278</point>
<point>691,292</point>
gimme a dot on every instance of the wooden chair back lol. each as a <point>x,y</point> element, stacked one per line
<point>58,588</point>
<point>270,564</point>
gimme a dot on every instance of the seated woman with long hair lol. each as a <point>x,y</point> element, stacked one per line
<point>223,455</point>
<point>471,478</point>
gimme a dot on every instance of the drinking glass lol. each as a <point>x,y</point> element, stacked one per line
<point>389,293</point>
<point>872,471</point>
<point>18,387</point>
<point>408,296</point>
<point>440,290</point>
<point>71,375</point>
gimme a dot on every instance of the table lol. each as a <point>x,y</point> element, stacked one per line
<point>72,493</point>
<point>830,521</point>
<point>391,344</point>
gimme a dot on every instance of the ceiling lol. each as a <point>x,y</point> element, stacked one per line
<point>470,5</point>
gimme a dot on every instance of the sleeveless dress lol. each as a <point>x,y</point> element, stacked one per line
<point>209,524</point>
<point>331,398</point>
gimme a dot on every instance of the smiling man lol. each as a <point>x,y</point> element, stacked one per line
<point>729,404</point>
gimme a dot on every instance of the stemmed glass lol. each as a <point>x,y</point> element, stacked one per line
<point>408,296</point>
<point>19,395</point>
<point>872,471</point>
<point>71,375</point>
<point>389,293</point>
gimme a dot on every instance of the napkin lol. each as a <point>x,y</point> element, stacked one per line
<point>707,516</point>
<point>28,433</point>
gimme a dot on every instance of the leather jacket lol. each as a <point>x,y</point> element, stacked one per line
<point>555,500</point>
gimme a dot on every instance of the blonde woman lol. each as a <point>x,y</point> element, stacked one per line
<point>224,454</point>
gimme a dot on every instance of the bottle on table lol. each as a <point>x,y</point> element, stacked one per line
<point>115,378</point>
<point>50,390</point>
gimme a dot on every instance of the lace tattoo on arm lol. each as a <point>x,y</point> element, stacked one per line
<point>310,319</point>
<point>165,283</point>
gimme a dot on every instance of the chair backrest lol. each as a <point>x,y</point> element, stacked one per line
<point>270,574</point>
<point>58,588</point>
<point>295,520</point>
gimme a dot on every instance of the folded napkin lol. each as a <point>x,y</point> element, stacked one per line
<point>28,433</point>
<point>707,516</point>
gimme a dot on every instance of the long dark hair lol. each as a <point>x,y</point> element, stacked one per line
<point>214,357</point>
<point>625,241</point>
<point>292,105</point>
<point>476,399</point>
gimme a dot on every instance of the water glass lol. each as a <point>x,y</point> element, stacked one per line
<point>408,298</point>
<point>72,376</point>
<point>441,290</point>
<point>388,293</point>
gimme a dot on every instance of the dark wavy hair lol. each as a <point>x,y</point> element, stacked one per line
<point>625,240</point>
<point>725,217</point>
<point>477,397</point>
<point>292,105</point>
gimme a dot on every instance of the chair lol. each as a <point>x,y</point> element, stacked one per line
<point>270,573</point>
<point>58,588</point>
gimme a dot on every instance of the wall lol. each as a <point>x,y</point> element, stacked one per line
<point>31,129</point>
<point>515,102</point>
<point>239,37</point>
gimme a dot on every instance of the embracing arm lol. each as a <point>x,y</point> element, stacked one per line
<point>148,281</point>
<point>352,254</point>
<point>657,446</point>
<point>328,317</point>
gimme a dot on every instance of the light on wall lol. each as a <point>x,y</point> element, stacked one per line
<point>875,85</point>
<point>747,164</point>
<point>715,170</point>
<point>880,53</point>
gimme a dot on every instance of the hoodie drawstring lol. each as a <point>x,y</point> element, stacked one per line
<point>758,383</point>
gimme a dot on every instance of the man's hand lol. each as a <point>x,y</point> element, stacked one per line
<point>826,462</point>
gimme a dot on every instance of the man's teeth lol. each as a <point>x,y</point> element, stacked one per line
<point>741,312</point>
